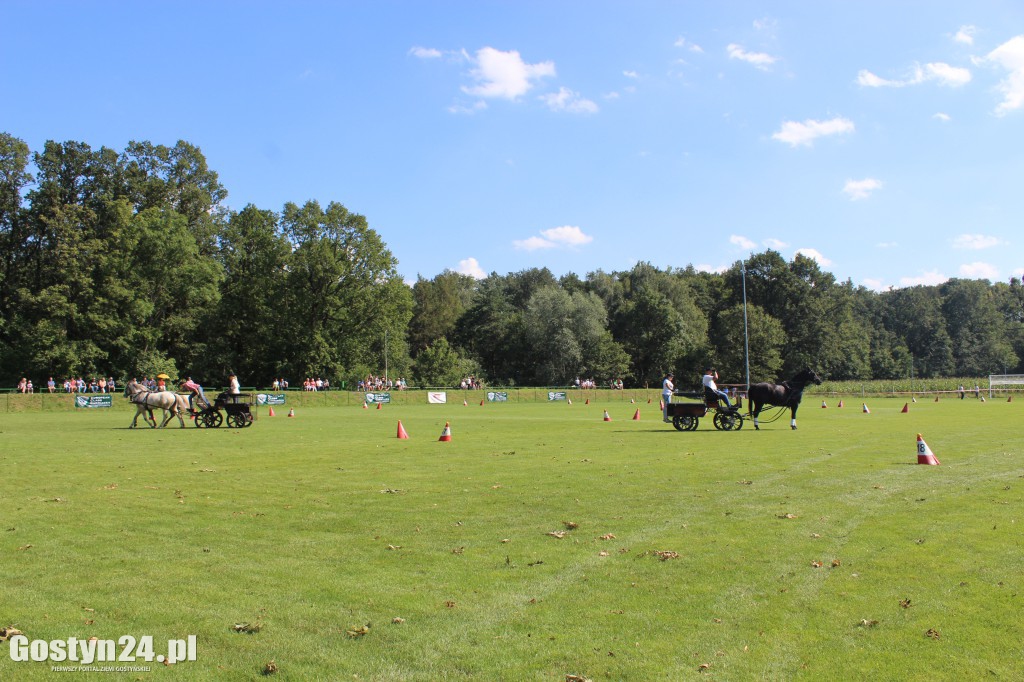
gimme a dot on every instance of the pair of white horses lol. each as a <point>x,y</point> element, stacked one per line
<point>145,401</point>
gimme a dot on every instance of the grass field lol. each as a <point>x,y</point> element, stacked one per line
<point>349,554</point>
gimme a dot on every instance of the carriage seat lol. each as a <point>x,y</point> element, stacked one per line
<point>712,399</point>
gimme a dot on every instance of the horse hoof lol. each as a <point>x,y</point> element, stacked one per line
<point>756,427</point>
<point>793,427</point>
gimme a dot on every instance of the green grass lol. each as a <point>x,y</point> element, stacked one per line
<point>327,522</point>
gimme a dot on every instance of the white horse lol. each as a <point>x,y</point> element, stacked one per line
<point>145,400</point>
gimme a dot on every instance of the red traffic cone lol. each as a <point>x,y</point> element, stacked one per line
<point>380,405</point>
<point>446,435</point>
<point>924,453</point>
<point>906,408</point>
<point>271,412</point>
<point>840,404</point>
<point>823,405</point>
<point>606,417</point>
<point>291,412</point>
<point>587,402</point>
<point>648,401</point>
<point>1009,399</point>
<point>481,403</point>
<point>401,431</point>
<point>365,406</point>
<point>865,409</point>
<point>465,404</point>
<point>936,397</point>
<point>636,415</point>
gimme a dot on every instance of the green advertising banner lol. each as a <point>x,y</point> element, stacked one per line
<point>270,398</point>
<point>556,395</point>
<point>94,400</point>
<point>378,397</point>
<point>497,396</point>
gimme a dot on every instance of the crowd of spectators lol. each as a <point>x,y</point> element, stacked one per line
<point>317,384</point>
<point>375,383</point>
<point>72,385</point>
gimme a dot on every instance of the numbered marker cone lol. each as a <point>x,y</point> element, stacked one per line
<point>648,401</point>
<point>823,405</point>
<point>631,401</point>
<point>606,417</point>
<point>865,409</point>
<point>1010,399</point>
<point>569,400</point>
<point>465,404</point>
<point>913,398</point>
<point>380,405</point>
<point>924,453</point>
<point>271,412</point>
<point>982,398</point>
<point>840,404</point>
<point>446,435</point>
<point>365,405</point>
<point>936,397</point>
<point>401,431</point>
<point>906,408</point>
<point>636,415</point>
<point>291,412</point>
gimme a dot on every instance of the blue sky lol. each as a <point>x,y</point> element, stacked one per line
<point>885,139</point>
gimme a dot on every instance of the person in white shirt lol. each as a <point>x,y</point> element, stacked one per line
<point>667,388</point>
<point>709,383</point>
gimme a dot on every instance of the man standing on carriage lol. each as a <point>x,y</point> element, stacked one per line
<point>710,374</point>
<point>194,390</point>
<point>667,389</point>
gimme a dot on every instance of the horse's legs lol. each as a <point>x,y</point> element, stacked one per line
<point>792,419</point>
<point>756,411</point>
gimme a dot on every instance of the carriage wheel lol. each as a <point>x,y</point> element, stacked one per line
<point>248,419</point>
<point>684,422</point>
<point>236,421</point>
<point>212,420</point>
<point>198,420</point>
<point>728,421</point>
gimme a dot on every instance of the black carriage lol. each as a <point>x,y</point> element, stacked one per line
<point>686,414</point>
<point>235,406</point>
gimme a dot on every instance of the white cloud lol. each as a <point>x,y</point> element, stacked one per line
<point>816,256</point>
<point>479,105</point>
<point>942,117</point>
<point>505,74</point>
<point>942,73</point>
<point>630,74</point>
<point>742,242</point>
<point>952,76</point>
<point>927,278</point>
<point>564,236</point>
<point>1010,55</point>
<point>425,52</point>
<point>569,235</point>
<point>773,243</point>
<point>470,266</point>
<point>874,284</point>
<point>861,189</point>
<point>692,47</point>
<point>965,35</point>
<point>570,101</point>
<point>796,133</point>
<point>887,245</point>
<point>533,243</point>
<point>979,271</point>
<point>976,242</point>
<point>759,60</point>
<point>704,267</point>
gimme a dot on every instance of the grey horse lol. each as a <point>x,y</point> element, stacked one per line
<point>145,400</point>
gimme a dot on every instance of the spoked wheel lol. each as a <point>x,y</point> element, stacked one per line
<point>684,422</point>
<point>239,420</point>
<point>728,421</point>
<point>248,418</point>
<point>211,420</point>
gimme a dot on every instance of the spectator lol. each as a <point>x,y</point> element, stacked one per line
<point>51,385</point>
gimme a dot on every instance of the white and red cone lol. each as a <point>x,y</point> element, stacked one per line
<point>865,409</point>
<point>606,417</point>
<point>291,412</point>
<point>925,454</point>
<point>446,435</point>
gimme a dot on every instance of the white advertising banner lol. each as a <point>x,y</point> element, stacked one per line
<point>437,397</point>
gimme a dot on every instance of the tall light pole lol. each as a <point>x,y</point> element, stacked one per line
<point>746,335</point>
<point>385,357</point>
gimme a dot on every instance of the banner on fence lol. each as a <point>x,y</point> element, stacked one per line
<point>497,396</point>
<point>437,397</point>
<point>270,398</point>
<point>94,400</point>
<point>556,395</point>
<point>378,397</point>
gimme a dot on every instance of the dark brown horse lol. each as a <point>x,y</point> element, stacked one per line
<point>786,394</point>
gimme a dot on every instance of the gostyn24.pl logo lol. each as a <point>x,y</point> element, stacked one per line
<point>126,649</point>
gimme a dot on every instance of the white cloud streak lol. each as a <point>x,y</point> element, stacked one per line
<point>816,256</point>
<point>796,133</point>
<point>566,236</point>
<point>742,242</point>
<point>965,35</point>
<point>470,266</point>
<point>759,60</point>
<point>979,271</point>
<point>928,278</point>
<point>425,52</point>
<point>976,242</point>
<point>939,72</point>
<point>569,101</point>
<point>861,189</point>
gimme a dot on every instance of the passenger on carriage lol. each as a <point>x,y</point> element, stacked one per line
<point>194,390</point>
<point>710,387</point>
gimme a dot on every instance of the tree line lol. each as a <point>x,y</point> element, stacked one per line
<point>123,263</point>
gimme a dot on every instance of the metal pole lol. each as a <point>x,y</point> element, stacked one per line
<point>385,357</point>
<point>746,336</point>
